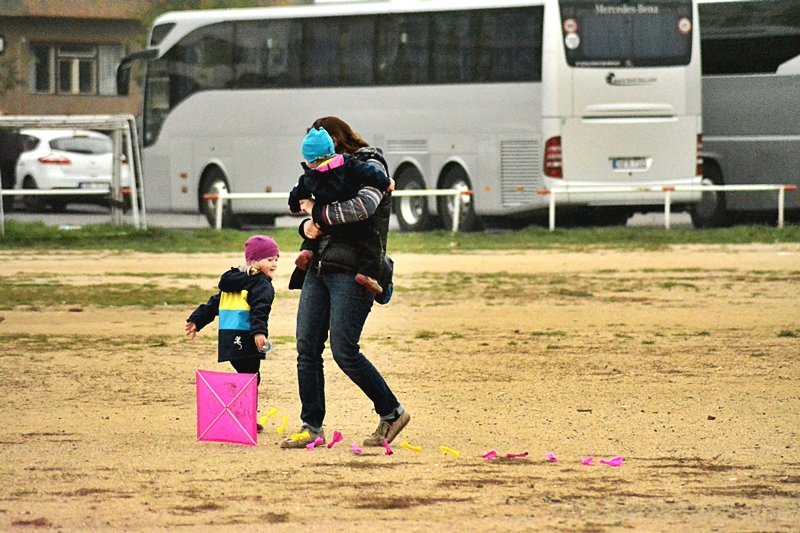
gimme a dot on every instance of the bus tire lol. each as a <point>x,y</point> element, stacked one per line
<point>412,211</point>
<point>711,210</point>
<point>455,177</point>
<point>214,182</point>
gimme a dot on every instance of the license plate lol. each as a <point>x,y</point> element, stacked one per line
<point>95,186</point>
<point>629,163</point>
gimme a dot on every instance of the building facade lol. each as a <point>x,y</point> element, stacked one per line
<point>61,57</point>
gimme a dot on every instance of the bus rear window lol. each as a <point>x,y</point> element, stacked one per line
<point>616,33</point>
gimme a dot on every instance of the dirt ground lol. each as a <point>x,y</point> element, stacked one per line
<point>683,362</point>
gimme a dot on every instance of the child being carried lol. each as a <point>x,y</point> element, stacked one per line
<point>329,178</point>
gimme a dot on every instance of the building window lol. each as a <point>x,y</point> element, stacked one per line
<point>81,69</point>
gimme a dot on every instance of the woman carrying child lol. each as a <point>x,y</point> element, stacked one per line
<point>334,305</point>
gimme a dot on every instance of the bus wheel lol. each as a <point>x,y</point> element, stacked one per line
<point>711,210</point>
<point>214,182</point>
<point>456,178</point>
<point>412,211</point>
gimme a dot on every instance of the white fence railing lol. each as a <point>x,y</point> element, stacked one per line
<point>667,192</point>
<point>457,195</point>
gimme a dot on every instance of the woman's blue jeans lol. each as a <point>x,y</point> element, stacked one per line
<point>333,301</point>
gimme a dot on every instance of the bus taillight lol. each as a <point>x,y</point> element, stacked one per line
<point>552,158</point>
<point>699,168</point>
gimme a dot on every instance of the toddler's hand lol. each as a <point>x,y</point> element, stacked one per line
<point>261,340</point>
<point>306,206</point>
<point>190,329</point>
<point>391,185</point>
<point>312,230</point>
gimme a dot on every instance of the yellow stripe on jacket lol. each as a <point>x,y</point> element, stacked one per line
<point>234,311</point>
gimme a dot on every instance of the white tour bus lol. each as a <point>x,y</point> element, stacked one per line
<point>505,97</point>
<point>751,107</point>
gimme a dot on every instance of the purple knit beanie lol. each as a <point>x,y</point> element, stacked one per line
<point>260,247</point>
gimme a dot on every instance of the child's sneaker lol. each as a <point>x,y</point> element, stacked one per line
<point>301,442</point>
<point>388,430</point>
<point>304,259</point>
<point>369,283</point>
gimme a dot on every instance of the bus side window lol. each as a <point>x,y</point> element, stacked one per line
<point>403,50</point>
<point>357,50</point>
<point>747,37</point>
<point>509,45</point>
<point>452,54</point>
<point>264,51</point>
<point>202,61</point>
<point>320,40</point>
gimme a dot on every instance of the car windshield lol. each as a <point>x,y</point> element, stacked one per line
<point>82,145</point>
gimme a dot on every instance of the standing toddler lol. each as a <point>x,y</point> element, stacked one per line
<point>243,304</point>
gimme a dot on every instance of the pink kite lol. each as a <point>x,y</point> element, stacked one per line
<point>227,405</point>
<point>551,457</point>
<point>337,437</point>
<point>614,461</point>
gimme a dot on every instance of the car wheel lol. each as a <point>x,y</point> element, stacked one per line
<point>214,182</point>
<point>412,211</point>
<point>456,178</point>
<point>36,204</point>
<point>711,210</point>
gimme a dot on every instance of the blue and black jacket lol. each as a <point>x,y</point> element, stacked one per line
<point>243,305</point>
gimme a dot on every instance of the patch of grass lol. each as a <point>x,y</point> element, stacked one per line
<point>38,295</point>
<point>425,334</point>
<point>157,275</point>
<point>678,284</point>
<point>789,333</point>
<point>21,343</point>
<point>555,333</point>
<point>573,293</point>
<point>38,236</point>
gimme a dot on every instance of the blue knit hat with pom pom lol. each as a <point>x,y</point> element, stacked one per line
<point>317,143</point>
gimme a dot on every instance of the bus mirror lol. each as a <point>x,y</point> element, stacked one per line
<point>123,79</point>
<point>124,68</point>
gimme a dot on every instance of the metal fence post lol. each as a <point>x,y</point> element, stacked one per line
<point>218,217</point>
<point>667,206</point>
<point>2,213</point>
<point>456,210</point>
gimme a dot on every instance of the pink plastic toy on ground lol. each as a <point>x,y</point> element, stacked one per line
<point>337,437</point>
<point>614,461</point>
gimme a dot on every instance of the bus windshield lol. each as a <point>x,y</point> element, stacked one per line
<point>622,34</point>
